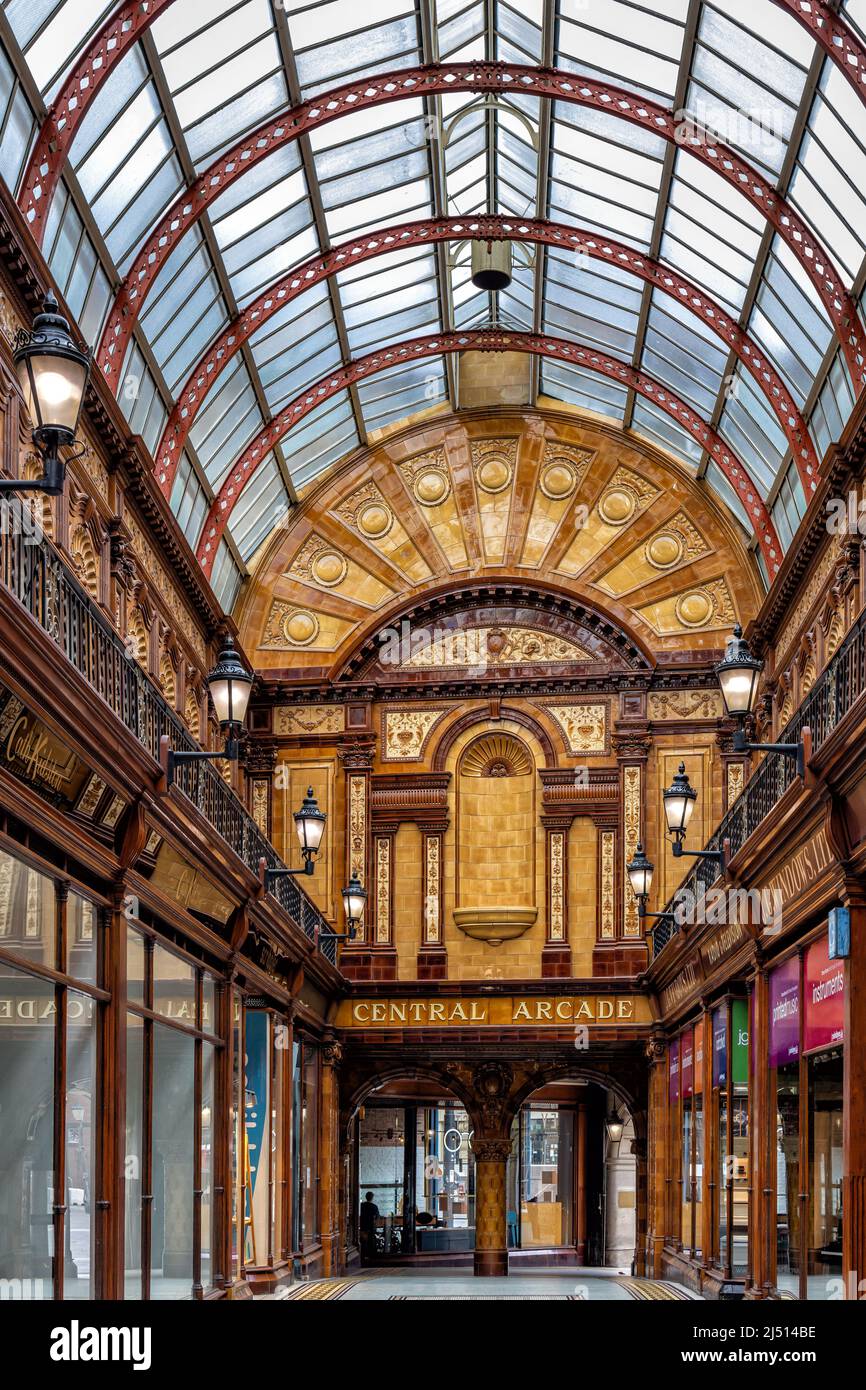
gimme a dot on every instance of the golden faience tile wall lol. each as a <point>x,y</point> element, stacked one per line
<point>704,768</point>
<point>408,899</point>
<point>582,893</point>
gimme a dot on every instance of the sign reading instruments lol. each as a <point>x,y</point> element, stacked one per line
<point>504,1011</point>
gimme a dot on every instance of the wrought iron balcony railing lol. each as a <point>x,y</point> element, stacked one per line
<point>835,692</point>
<point>34,573</point>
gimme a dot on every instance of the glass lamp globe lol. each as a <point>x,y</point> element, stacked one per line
<point>230,685</point>
<point>310,823</point>
<point>679,802</point>
<point>739,673</point>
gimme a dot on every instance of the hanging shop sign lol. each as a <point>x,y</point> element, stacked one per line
<point>823,998</point>
<point>674,1072</point>
<point>503,1011</point>
<point>33,754</point>
<point>785,1013</point>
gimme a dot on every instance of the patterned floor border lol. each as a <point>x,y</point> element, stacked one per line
<point>319,1289</point>
<point>641,1290</point>
<point>485,1298</point>
<point>656,1291</point>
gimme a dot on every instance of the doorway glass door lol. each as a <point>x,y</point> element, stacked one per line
<point>546,1177</point>
<point>382,1149</point>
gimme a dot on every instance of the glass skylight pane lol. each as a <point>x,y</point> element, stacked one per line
<point>17,126</point>
<point>720,485</point>
<point>645,59</point>
<point>325,436</point>
<point>751,430</point>
<point>400,392</point>
<point>379,166</point>
<point>743,88</point>
<point>394,304</point>
<point>237,74</point>
<point>260,508</point>
<point>226,578</point>
<point>115,94</point>
<point>711,233</point>
<point>662,360</point>
<point>51,50</point>
<point>521,29</point>
<point>470,304</point>
<point>226,423</point>
<point>231,122</point>
<point>401,204</point>
<point>106,164</point>
<point>600,183</point>
<point>662,429</point>
<point>312,22</point>
<point>189,500</point>
<point>460,30</point>
<point>26,17</point>
<point>831,167</point>
<point>286,377</point>
<point>589,390</point>
<point>854,12</point>
<point>591,320</point>
<point>378,49</point>
<point>192,43</point>
<point>294,321</point>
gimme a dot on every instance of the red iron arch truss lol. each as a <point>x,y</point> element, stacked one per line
<point>350,253</point>
<point>516,80</point>
<point>490,340</point>
<point>125,25</point>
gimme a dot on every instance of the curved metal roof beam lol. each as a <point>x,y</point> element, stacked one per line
<point>573,239</point>
<point>120,32</point>
<point>124,26</point>
<point>489,340</point>
<point>500,77</point>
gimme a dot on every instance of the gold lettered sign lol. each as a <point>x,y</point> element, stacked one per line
<point>503,1011</point>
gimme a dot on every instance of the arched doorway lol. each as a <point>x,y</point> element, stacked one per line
<point>414,1188</point>
<point>572,1179</point>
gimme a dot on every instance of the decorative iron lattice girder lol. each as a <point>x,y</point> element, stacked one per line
<point>516,80</point>
<point>489,340</point>
<point>490,228</point>
<point>832,33</point>
<point>120,32</point>
<point>124,26</point>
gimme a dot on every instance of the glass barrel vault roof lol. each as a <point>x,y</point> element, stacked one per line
<point>196,81</point>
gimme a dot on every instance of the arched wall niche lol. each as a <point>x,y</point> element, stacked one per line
<point>573,507</point>
<point>494,903</point>
<point>497,807</point>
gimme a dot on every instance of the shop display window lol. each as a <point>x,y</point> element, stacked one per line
<point>170,1068</point>
<point>48,1134</point>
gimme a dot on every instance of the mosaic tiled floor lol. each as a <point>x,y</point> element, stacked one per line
<point>413,1286</point>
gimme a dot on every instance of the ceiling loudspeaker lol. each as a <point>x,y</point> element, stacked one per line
<point>491,264</point>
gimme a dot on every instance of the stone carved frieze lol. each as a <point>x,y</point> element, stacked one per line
<point>405,732</point>
<point>584,725</point>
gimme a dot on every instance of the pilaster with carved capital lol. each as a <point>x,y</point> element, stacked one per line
<point>632,746</point>
<point>259,762</point>
<point>357,759</point>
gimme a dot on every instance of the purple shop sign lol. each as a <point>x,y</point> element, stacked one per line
<point>785,1013</point>
<point>720,1046</point>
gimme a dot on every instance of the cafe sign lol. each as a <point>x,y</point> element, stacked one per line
<point>502,1011</point>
